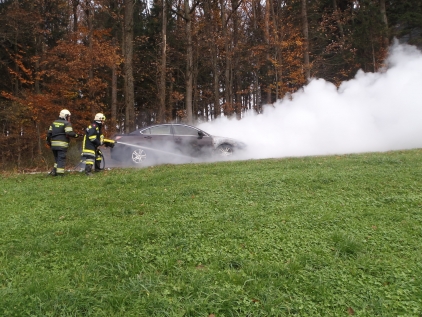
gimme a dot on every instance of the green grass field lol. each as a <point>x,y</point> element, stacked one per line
<point>314,236</point>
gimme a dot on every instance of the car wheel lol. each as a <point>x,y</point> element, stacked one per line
<point>138,156</point>
<point>225,150</point>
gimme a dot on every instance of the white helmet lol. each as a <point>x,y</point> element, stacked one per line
<point>64,114</point>
<point>99,117</point>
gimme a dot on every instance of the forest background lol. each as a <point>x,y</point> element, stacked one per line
<point>154,61</point>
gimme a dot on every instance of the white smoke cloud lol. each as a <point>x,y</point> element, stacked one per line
<point>373,112</point>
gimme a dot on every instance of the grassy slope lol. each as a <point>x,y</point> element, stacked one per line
<point>322,236</point>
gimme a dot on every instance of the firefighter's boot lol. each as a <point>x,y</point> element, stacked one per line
<point>97,167</point>
<point>53,172</point>
<point>88,169</point>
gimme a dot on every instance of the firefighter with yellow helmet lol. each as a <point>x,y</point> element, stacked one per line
<point>92,140</point>
<point>58,138</point>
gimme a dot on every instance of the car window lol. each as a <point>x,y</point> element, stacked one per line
<point>138,131</point>
<point>184,130</point>
<point>146,131</point>
<point>160,130</point>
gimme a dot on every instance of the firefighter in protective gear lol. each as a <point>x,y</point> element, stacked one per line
<point>58,138</point>
<point>92,140</point>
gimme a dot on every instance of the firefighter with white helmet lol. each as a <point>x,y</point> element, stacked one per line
<point>92,140</point>
<point>58,138</point>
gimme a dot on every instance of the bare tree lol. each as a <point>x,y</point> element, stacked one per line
<point>89,14</point>
<point>128,67</point>
<point>384,19</point>
<point>337,17</point>
<point>227,77</point>
<point>236,61</point>
<point>162,85</point>
<point>75,4</point>
<point>187,16</point>
<point>305,40</point>
<point>213,33</point>
<point>114,89</point>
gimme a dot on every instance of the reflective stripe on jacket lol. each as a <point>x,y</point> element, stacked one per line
<point>92,139</point>
<point>58,134</point>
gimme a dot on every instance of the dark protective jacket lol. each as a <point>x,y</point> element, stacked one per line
<point>93,139</point>
<point>59,133</point>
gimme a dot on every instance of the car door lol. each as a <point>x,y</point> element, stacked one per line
<point>159,137</point>
<point>190,140</point>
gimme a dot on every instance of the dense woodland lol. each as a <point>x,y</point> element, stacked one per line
<point>152,61</point>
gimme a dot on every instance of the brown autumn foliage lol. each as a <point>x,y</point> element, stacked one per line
<point>68,54</point>
<point>67,77</point>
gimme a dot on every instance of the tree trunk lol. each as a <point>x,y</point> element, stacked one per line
<point>196,104</point>
<point>227,89</point>
<point>337,17</point>
<point>90,18</point>
<point>189,64</point>
<point>277,53</point>
<point>384,19</point>
<point>213,29</point>
<point>15,83</point>
<point>75,4</point>
<point>216,84</point>
<point>162,86</point>
<point>256,89</point>
<point>236,64</point>
<point>40,50</point>
<point>114,91</point>
<point>267,41</point>
<point>305,40</point>
<point>128,67</point>
<point>114,70</point>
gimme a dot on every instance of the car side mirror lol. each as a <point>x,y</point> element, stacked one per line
<point>200,134</point>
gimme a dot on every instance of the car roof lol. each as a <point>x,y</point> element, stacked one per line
<point>161,124</point>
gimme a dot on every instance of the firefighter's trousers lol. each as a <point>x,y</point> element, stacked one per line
<point>60,160</point>
<point>94,160</point>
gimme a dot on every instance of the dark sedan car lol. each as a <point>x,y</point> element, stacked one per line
<point>169,142</point>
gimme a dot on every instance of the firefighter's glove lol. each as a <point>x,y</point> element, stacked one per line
<point>109,144</point>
